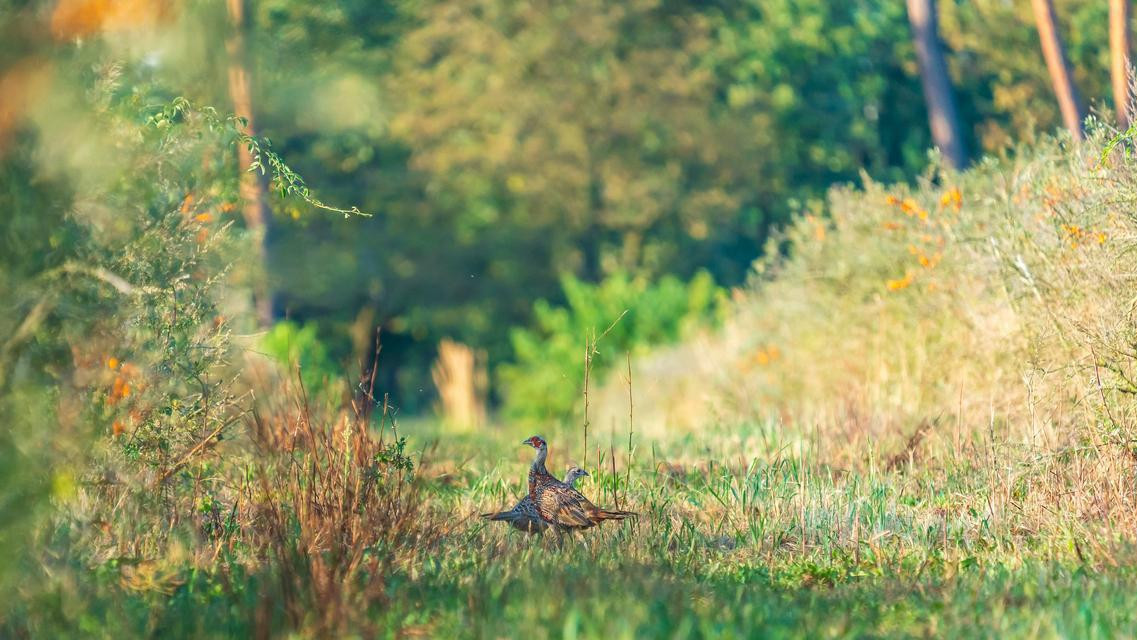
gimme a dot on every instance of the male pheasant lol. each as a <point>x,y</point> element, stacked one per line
<point>559,504</point>
<point>523,515</point>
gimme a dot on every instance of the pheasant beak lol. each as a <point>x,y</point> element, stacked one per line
<point>526,443</point>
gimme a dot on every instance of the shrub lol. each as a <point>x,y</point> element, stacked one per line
<point>294,346</point>
<point>622,314</point>
<point>120,383</point>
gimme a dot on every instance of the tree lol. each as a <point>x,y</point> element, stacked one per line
<point>1119,59</point>
<point>253,206</point>
<point>943,118</point>
<point>1059,67</point>
<point>592,133</point>
<point>461,125</point>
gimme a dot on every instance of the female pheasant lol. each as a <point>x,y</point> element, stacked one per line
<point>524,516</point>
<point>559,504</point>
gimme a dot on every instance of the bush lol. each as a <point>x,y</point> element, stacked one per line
<point>622,314</point>
<point>120,386</point>
<point>1002,291</point>
<point>294,346</point>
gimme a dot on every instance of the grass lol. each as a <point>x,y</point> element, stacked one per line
<point>916,422</point>
<point>781,546</point>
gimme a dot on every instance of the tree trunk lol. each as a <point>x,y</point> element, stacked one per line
<point>1119,59</point>
<point>252,186</point>
<point>943,118</point>
<point>1059,67</point>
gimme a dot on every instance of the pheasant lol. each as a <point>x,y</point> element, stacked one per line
<point>559,504</point>
<point>523,515</point>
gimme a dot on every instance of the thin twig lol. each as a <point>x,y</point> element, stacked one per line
<point>184,460</point>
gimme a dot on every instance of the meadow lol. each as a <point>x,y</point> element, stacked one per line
<point>915,421</point>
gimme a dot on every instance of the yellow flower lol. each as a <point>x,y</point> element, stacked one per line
<point>952,197</point>
<point>112,363</point>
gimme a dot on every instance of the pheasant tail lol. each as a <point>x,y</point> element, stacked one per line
<point>608,514</point>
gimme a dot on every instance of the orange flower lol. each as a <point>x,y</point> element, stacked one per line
<point>204,217</point>
<point>119,389</point>
<point>892,226</point>
<point>187,203</point>
<point>891,200</point>
<point>112,363</point>
<point>929,263</point>
<point>117,428</point>
<point>226,207</point>
<point>766,355</point>
<point>902,283</point>
<point>818,228</point>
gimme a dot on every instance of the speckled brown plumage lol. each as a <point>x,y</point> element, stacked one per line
<point>523,516</point>
<point>561,505</point>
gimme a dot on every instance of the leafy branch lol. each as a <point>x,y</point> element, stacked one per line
<point>285,181</point>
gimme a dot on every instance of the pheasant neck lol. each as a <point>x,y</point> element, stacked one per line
<point>539,462</point>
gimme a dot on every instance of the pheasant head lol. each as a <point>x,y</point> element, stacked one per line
<point>574,474</point>
<point>542,447</point>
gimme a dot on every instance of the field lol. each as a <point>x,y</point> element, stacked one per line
<point>915,422</point>
<point>749,535</point>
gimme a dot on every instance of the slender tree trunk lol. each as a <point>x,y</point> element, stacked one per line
<point>943,118</point>
<point>1119,59</point>
<point>1059,67</point>
<point>252,187</point>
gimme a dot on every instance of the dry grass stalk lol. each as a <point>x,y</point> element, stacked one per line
<point>335,509</point>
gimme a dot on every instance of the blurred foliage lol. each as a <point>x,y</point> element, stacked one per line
<point>503,145</point>
<point>1001,82</point>
<point>297,347</point>
<point>121,279</point>
<point>620,315</point>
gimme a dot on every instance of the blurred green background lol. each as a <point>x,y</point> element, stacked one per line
<point>510,151</point>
